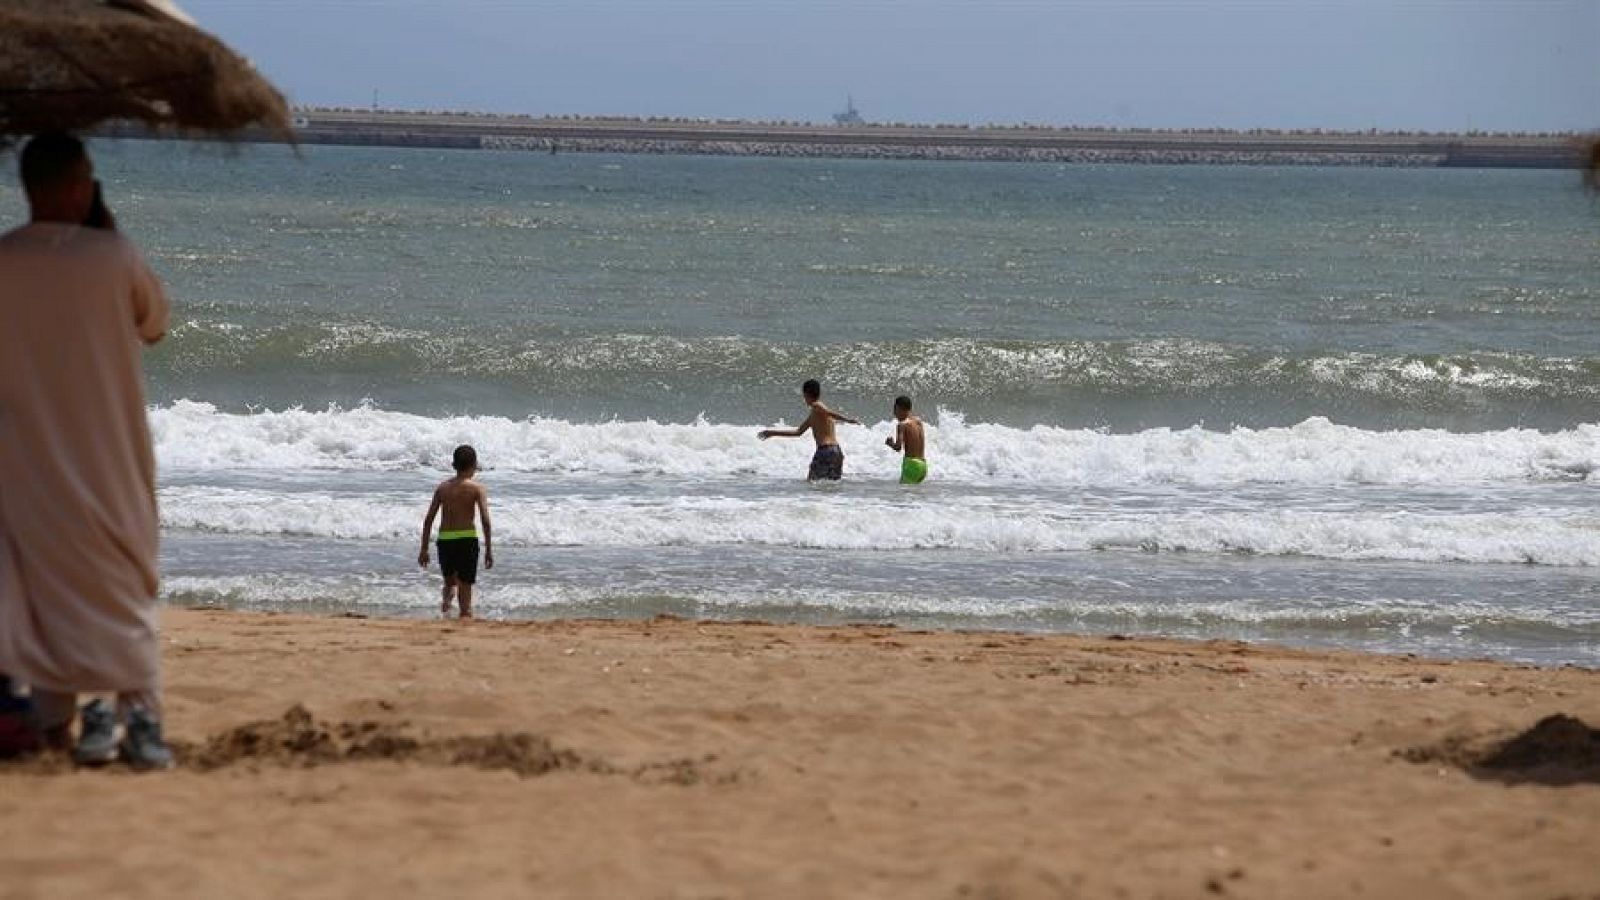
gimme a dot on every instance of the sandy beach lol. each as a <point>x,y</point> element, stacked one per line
<point>343,757</point>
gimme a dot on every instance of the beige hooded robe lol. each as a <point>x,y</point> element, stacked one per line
<point>78,529</point>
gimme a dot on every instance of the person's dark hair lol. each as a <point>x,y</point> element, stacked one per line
<point>49,158</point>
<point>902,402</point>
<point>465,458</point>
<point>812,389</point>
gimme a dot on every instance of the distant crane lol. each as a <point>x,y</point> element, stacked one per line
<point>851,115</point>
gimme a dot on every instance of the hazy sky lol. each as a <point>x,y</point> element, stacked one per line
<point>1350,64</point>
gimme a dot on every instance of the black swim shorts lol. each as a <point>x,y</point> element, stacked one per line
<point>827,464</point>
<point>458,557</point>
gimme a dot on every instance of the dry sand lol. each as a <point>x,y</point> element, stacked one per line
<point>683,759</point>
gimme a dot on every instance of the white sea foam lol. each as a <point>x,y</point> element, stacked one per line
<point>196,436</point>
<point>509,596</point>
<point>829,521</point>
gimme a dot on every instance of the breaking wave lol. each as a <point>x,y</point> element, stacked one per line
<point>198,436</point>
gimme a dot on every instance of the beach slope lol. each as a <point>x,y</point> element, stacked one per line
<point>334,757</point>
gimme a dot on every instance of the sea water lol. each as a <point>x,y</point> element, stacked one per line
<point>1346,407</point>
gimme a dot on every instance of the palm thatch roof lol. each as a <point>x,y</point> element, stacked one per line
<point>69,65</point>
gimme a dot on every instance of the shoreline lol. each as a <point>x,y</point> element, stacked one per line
<point>680,758</point>
<point>424,613</point>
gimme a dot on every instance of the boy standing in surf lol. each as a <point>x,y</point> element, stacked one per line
<point>460,498</point>
<point>908,437</point>
<point>828,462</point>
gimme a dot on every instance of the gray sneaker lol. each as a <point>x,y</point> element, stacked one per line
<point>97,740</point>
<point>142,746</point>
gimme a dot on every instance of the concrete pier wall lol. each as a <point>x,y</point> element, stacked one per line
<point>470,131</point>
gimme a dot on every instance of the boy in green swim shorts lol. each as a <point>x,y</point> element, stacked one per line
<point>908,436</point>
<point>460,498</point>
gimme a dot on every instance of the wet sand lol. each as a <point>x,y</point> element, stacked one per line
<point>340,757</point>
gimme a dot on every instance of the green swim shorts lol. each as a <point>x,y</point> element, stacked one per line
<point>913,470</point>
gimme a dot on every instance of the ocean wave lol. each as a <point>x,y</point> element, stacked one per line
<point>824,521</point>
<point>198,436</point>
<point>954,369</point>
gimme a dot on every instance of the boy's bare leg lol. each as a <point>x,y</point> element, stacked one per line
<point>447,595</point>
<point>466,601</point>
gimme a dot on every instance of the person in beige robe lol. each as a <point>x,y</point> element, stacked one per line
<point>78,527</point>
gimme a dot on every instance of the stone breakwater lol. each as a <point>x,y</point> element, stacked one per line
<point>468,131</point>
<point>822,150</point>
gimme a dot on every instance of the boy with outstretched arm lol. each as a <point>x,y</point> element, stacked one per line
<point>828,462</point>
<point>460,497</point>
<point>908,437</point>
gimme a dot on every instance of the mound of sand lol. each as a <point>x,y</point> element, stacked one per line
<point>1557,750</point>
<point>298,739</point>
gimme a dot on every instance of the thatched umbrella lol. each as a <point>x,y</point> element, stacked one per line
<point>69,65</point>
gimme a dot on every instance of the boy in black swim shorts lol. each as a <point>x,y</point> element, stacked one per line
<point>461,498</point>
<point>458,556</point>
<point>827,464</point>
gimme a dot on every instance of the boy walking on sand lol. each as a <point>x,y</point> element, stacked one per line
<point>908,437</point>
<point>460,497</point>
<point>828,462</point>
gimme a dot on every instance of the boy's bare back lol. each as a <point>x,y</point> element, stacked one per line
<point>910,437</point>
<point>458,499</point>
<point>820,420</point>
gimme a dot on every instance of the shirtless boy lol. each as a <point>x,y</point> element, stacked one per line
<point>908,437</point>
<point>828,462</point>
<point>460,497</point>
